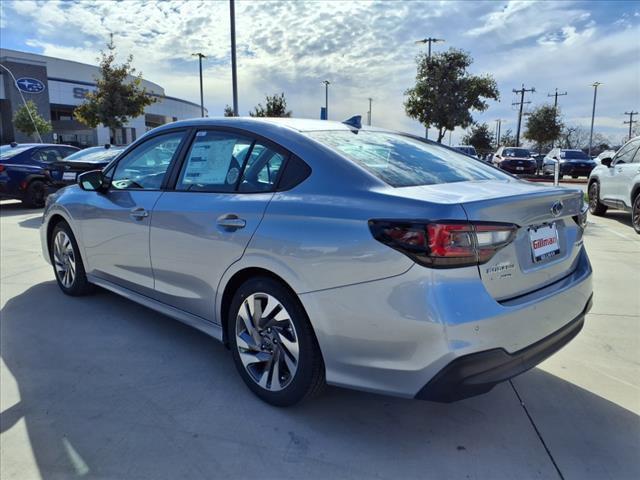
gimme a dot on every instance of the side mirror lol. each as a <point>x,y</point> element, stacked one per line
<point>93,181</point>
<point>606,162</point>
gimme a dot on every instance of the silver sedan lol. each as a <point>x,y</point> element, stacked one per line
<point>324,252</point>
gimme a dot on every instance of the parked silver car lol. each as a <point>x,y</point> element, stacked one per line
<point>323,252</point>
<point>615,183</point>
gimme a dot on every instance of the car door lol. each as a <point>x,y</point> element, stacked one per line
<point>204,225</point>
<point>614,182</point>
<point>115,224</point>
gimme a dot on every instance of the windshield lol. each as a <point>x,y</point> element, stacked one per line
<point>517,152</point>
<point>94,154</point>
<point>402,161</point>
<point>574,155</point>
<point>7,151</point>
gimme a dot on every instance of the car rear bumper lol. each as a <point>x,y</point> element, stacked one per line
<point>478,373</point>
<point>395,335</point>
<point>522,169</point>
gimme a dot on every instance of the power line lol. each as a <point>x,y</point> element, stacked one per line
<point>521,91</point>
<point>631,121</point>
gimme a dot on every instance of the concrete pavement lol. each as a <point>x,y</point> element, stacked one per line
<point>99,387</point>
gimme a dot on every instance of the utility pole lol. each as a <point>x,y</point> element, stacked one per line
<point>429,41</point>
<point>200,57</point>
<point>450,137</point>
<point>234,74</point>
<point>631,121</point>
<point>595,86</point>
<point>369,115</point>
<point>521,92</point>
<point>555,105</point>
<point>326,98</point>
<point>498,127</point>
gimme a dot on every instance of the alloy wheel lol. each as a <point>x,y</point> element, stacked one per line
<point>593,197</point>
<point>635,214</point>
<point>267,341</point>
<point>64,259</point>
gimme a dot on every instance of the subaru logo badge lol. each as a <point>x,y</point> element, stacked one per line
<point>556,208</point>
<point>30,85</point>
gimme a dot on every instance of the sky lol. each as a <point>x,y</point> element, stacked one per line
<point>364,48</point>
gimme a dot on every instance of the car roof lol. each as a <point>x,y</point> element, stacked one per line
<point>33,145</point>
<point>298,124</point>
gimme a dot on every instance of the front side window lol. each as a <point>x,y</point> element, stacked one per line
<point>146,165</point>
<point>48,155</point>
<point>214,162</point>
<point>625,155</point>
<point>261,171</point>
<point>402,161</point>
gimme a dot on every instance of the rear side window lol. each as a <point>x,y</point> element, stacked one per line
<point>214,162</point>
<point>262,169</point>
<point>7,151</point>
<point>402,161</point>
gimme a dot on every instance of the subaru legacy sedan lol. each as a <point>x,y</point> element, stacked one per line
<point>323,252</point>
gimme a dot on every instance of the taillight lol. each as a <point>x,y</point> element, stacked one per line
<point>444,244</point>
<point>1,168</point>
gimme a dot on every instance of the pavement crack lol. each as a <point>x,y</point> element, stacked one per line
<point>535,428</point>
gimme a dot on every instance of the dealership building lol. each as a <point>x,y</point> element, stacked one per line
<point>57,86</point>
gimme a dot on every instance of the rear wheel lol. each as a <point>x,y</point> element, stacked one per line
<point>67,262</point>
<point>635,214</point>
<point>595,207</point>
<point>35,194</point>
<point>273,344</point>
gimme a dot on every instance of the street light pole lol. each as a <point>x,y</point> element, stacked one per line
<point>326,98</point>
<point>234,74</point>
<point>200,57</point>
<point>595,86</point>
<point>15,82</point>
<point>429,41</point>
<point>370,100</point>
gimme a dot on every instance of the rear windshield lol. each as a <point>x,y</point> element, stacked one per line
<point>402,161</point>
<point>7,151</point>
<point>517,152</point>
<point>573,155</point>
<point>95,154</point>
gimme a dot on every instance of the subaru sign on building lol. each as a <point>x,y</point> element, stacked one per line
<point>30,85</point>
<point>58,86</point>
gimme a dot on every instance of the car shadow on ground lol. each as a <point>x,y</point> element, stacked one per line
<point>33,222</point>
<point>620,216</point>
<point>10,209</point>
<point>111,389</point>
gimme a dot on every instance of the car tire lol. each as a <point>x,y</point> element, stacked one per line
<point>67,262</point>
<point>635,214</point>
<point>35,194</point>
<point>595,207</point>
<point>266,325</point>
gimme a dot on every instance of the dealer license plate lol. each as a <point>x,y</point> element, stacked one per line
<point>69,175</point>
<point>544,242</point>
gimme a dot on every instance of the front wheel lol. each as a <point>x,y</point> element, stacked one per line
<point>67,262</point>
<point>635,214</point>
<point>273,344</point>
<point>595,207</point>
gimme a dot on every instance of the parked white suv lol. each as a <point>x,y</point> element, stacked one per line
<point>616,183</point>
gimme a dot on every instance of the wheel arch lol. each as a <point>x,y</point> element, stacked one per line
<point>54,219</point>
<point>237,279</point>
<point>635,191</point>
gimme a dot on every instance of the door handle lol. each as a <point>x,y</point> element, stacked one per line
<point>231,221</point>
<point>138,213</point>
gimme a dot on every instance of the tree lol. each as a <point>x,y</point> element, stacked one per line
<point>543,126</point>
<point>507,139</point>
<point>445,92</point>
<point>23,122</point>
<point>118,96</point>
<point>480,137</point>
<point>574,136</point>
<point>228,111</point>
<point>276,106</point>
